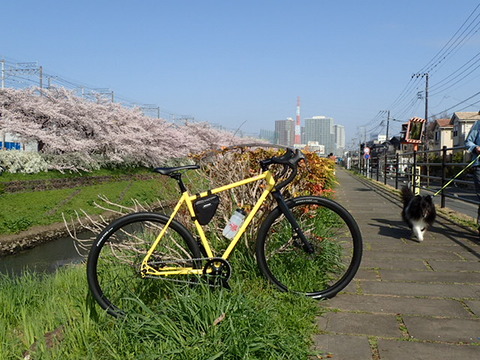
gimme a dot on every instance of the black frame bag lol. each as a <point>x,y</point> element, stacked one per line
<point>205,208</point>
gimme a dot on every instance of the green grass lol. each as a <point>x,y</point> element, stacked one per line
<point>53,316</point>
<point>47,175</point>
<point>251,321</point>
<point>20,211</point>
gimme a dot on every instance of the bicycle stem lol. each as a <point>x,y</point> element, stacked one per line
<point>297,231</point>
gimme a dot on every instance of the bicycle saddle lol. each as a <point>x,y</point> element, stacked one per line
<point>171,170</point>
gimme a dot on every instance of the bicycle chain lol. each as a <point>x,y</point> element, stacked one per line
<point>207,260</point>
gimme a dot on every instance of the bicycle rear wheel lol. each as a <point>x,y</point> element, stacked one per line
<point>337,248</point>
<point>113,266</point>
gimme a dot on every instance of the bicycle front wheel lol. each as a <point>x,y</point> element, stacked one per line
<point>114,261</point>
<point>331,262</point>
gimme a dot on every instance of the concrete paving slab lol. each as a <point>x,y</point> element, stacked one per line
<point>415,289</point>
<point>342,347</point>
<point>367,274</point>
<point>433,286</point>
<point>474,306</point>
<point>399,305</point>
<point>444,330</point>
<point>360,324</point>
<point>455,265</point>
<point>430,276</point>
<point>350,288</point>
<point>397,350</point>
<point>414,253</point>
<point>396,245</point>
<point>470,256</point>
<point>397,264</point>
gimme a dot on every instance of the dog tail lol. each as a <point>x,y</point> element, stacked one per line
<point>406,194</point>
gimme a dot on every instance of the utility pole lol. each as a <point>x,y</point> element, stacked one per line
<point>426,97</point>
<point>388,123</point>
<point>151,107</point>
<point>29,68</point>
<point>424,75</point>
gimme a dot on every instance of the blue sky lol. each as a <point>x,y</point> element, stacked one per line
<point>243,63</point>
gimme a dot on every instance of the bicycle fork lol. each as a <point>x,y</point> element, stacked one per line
<point>297,232</point>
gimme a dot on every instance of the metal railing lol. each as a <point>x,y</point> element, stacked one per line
<point>428,170</point>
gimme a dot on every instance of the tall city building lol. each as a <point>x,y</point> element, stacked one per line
<point>339,131</point>
<point>321,130</point>
<point>285,132</point>
<point>267,135</point>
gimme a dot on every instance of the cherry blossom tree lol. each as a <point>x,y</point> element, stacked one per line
<point>76,133</point>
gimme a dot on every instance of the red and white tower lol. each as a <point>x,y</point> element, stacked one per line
<point>298,137</point>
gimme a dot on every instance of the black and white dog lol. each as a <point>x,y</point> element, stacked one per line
<point>418,212</point>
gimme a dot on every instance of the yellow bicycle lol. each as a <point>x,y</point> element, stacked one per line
<point>308,245</point>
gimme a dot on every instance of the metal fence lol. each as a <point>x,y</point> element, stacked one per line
<point>428,170</point>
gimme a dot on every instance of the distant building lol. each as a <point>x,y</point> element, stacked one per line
<point>321,130</point>
<point>442,134</point>
<point>339,131</point>
<point>285,132</point>
<point>314,146</point>
<point>10,141</point>
<point>462,122</point>
<point>267,135</point>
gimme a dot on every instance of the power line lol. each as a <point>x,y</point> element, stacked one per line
<point>442,53</point>
<point>454,106</point>
<point>444,82</point>
<point>406,102</point>
<point>18,74</point>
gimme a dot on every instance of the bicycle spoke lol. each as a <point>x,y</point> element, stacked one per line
<point>335,241</point>
<point>114,267</point>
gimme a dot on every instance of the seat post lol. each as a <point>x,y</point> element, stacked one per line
<point>178,176</point>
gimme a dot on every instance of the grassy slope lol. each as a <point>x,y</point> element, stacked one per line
<point>55,313</point>
<point>251,321</point>
<point>19,211</point>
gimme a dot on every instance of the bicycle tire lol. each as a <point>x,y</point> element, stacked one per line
<point>337,248</point>
<point>114,260</point>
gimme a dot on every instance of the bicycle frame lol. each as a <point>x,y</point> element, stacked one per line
<point>188,199</point>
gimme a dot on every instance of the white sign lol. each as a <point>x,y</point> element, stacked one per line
<point>366,150</point>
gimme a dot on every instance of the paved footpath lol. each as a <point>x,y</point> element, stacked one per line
<point>409,300</point>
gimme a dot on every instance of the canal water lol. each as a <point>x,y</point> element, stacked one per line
<point>44,258</point>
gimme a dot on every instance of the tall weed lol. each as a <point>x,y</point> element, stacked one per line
<point>52,317</point>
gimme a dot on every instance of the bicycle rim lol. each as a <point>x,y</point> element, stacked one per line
<point>336,241</point>
<point>113,267</point>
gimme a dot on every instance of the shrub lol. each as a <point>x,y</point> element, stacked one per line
<point>16,161</point>
<point>315,177</point>
<point>230,165</point>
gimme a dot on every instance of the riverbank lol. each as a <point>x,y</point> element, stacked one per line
<point>30,218</point>
<point>38,235</point>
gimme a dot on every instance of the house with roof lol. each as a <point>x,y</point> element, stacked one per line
<point>461,123</point>
<point>442,131</point>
